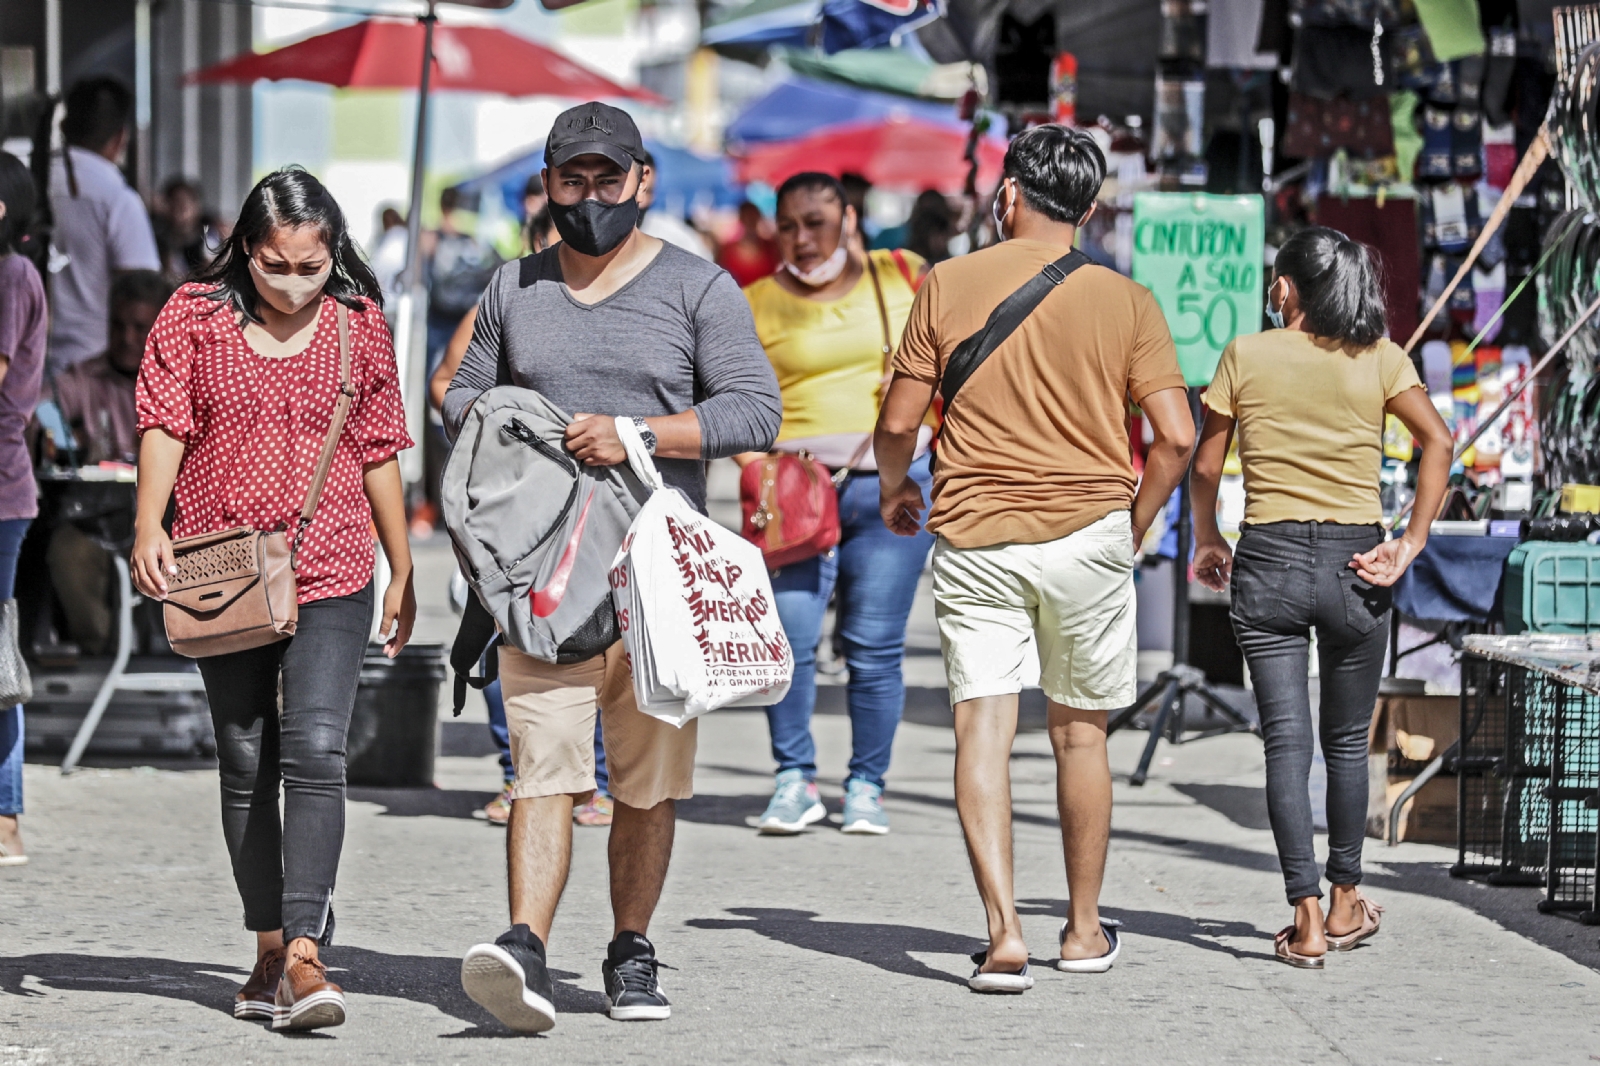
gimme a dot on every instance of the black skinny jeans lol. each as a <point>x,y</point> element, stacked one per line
<point>1290,578</point>
<point>285,871</point>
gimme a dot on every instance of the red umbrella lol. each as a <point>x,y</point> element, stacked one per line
<point>906,153</point>
<point>383,54</point>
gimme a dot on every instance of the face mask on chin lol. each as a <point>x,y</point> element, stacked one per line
<point>593,227</point>
<point>288,293</point>
<point>830,268</point>
<point>1275,315</point>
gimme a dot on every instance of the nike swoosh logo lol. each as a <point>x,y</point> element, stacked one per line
<point>547,599</point>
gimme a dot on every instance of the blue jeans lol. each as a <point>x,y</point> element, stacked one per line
<point>876,574</point>
<point>12,531</point>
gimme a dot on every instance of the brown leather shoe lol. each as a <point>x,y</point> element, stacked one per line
<point>255,999</point>
<point>306,998</point>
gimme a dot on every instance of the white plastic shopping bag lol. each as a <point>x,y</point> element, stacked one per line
<point>695,606</point>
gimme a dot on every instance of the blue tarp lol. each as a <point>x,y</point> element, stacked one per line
<point>683,180</point>
<point>1455,579</point>
<point>798,106</point>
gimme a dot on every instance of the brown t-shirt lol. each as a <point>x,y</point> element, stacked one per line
<point>1036,444</point>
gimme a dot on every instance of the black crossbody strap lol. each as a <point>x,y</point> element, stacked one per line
<point>1003,321</point>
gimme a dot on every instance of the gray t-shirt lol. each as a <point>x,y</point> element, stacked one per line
<point>677,337</point>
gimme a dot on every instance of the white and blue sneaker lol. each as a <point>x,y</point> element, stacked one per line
<point>795,804</point>
<point>863,808</point>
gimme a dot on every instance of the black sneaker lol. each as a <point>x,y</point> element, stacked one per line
<point>509,979</point>
<point>632,988</point>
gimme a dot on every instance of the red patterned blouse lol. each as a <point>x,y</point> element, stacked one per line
<point>253,427</point>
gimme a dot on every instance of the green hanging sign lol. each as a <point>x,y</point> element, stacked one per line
<point>1201,256</point>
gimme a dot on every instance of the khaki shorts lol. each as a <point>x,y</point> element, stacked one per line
<point>1074,596</point>
<point>550,713</point>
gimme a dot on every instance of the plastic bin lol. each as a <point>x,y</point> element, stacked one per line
<point>394,730</point>
<point>1553,588</point>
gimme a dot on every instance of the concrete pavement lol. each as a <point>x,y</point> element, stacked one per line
<point>121,942</point>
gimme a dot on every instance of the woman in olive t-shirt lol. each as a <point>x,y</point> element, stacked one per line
<point>1309,400</point>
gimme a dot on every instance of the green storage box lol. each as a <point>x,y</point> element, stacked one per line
<point>1553,588</point>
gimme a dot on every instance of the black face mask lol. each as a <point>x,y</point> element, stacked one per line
<point>593,227</point>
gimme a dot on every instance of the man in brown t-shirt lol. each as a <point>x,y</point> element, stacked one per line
<point>1037,511</point>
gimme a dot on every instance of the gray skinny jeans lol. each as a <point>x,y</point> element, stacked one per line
<point>1290,578</point>
<point>285,869</point>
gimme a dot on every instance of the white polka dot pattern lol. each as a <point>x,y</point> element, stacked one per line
<point>253,428</point>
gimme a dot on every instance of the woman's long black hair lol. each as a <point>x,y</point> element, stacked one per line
<point>1341,290</point>
<point>289,197</point>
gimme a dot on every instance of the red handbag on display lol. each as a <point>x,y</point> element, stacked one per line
<point>789,500</point>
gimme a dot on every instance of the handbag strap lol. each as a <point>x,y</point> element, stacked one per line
<point>1003,321</point>
<point>860,453</point>
<point>341,411</point>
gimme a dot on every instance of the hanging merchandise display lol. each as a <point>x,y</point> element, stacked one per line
<point>1202,258</point>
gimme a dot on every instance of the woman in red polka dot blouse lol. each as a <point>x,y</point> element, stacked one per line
<point>235,397</point>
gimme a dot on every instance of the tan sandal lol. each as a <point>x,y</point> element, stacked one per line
<point>1280,944</point>
<point>1371,917</point>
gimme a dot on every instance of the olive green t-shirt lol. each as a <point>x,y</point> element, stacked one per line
<point>1310,423</point>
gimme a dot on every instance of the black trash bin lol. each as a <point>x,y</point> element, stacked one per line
<point>394,730</point>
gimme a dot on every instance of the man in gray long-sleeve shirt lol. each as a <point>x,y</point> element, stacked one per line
<point>608,323</point>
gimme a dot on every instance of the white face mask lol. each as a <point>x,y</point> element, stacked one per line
<point>289,293</point>
<point>830,268</point>
<point>1000,219</point>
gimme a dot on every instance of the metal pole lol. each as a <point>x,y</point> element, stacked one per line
<point>411,275</point>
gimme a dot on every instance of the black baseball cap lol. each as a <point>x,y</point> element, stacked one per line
<point>594,129</point>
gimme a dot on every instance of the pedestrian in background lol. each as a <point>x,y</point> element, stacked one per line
<point>186,234</point>
<point>23,328</point>
<point>236,396</point>
<point>1037,514</point>
<point>1308,398</point>
<point>97,404</point>
<point>101,226</point>
<point>753,255</point>
<point>828,320</point>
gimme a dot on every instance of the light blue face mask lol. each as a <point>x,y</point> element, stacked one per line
<point>1274,316</point>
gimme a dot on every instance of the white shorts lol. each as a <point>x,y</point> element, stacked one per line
<point>1073,595</point>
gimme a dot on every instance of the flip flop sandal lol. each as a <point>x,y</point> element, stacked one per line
<point>1099,964</point>
<point>1371,918</point>
<point>1014,983</point>
<point>1280,944</point>
<point>11,858</point>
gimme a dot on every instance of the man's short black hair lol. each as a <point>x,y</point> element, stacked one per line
<point>140,287</point>
<point>1059,170</point>
<point>97,110</point>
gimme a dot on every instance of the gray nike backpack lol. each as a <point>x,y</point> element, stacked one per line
<point>535,532</point>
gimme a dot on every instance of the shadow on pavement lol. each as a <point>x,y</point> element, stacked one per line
<point>1513,907</point>
<point>722,810</point>
<point>1243,805</point>
<point>888,947</point>
<point>423,802</point>
<point>432,980</point>
<point>1178,928</point>
<point>466,740</point>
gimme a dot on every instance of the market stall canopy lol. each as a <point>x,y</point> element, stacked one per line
<point>903,153</point>
<point>797,107</point>
<point>382,54</point>
<point>890,70</point>
<point>764,22</point>
<point>683,179</point>
<point>834,24</point>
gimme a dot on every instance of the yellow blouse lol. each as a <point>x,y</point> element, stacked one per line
<point>828,354</point>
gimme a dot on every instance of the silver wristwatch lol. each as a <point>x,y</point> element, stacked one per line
<point>647,434</point>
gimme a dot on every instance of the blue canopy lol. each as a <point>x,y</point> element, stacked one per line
<point>683,180</point>
<point>798,106</point>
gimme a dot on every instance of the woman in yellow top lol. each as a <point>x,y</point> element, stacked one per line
<point>819,319</point>
<point>1309,400</point>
